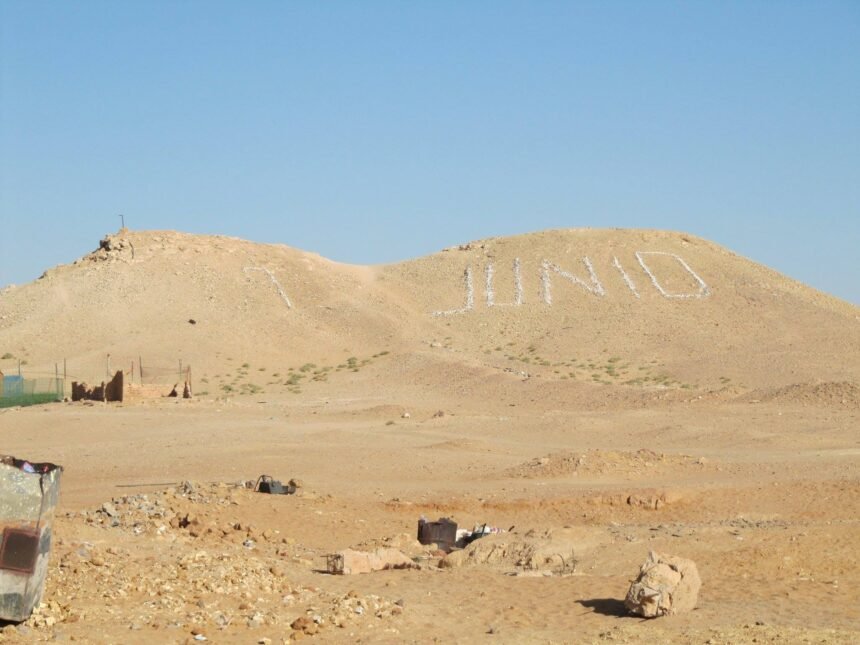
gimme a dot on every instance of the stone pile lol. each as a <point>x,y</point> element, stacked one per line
<point>167,567</point>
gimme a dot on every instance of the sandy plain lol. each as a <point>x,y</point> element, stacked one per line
<point>738,446</point>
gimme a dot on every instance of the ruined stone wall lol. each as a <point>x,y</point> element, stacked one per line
<point>119,389</point>
<point>111,391</point>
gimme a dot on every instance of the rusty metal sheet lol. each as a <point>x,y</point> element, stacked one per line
<point>28,497</point>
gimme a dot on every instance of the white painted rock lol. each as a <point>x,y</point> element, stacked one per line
<point>666,585</point>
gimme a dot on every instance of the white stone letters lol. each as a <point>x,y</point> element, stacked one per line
<point>518,287</point>
<point>595,287</point>
<point>274,282</point>
<point>470,296</point>
<point>591,283</point>
<point>703,292</point>
<point>549,270</point>
<point>627,280</point>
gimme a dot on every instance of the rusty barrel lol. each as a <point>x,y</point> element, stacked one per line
<point>442,532</point>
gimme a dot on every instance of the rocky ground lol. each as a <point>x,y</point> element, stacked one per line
<point>774,533</point>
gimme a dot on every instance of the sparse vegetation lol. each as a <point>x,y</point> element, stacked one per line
<point>296,375</point>
<point>612,370</point>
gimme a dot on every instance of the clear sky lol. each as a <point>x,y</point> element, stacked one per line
<point>372,132</point>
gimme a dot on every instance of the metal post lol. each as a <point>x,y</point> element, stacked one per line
<point>122,217</point>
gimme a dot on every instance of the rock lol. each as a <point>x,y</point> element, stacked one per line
<point>110,509</point>
<point>405,415</point>
<point>666,585</point>
<point>304,625</point>
<point>454,560</point>
<point>550,552</point>
<point>278,570</point>
<point>352,562</point>
<point>301,623</point>
<point>406,543</point>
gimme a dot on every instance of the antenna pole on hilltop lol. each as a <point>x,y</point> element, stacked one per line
<point>122,219</point>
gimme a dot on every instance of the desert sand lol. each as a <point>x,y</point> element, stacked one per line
<point>618,391</point>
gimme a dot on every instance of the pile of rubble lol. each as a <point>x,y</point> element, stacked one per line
<point>601,462</point>
<point>170,568</point>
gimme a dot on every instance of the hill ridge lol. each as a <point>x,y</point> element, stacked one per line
<point>677,312</point>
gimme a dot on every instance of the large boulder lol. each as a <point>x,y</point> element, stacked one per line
<point>666,585</point>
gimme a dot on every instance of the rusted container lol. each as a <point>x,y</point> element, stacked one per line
<point>28,497</point>
<point>442,532</point>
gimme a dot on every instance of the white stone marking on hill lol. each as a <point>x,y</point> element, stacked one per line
<point>274,282</point>
<point>704,291</point>
<point>518,287</point>
<point>627,280</point>
<point>470,296</point>
<point>595,287</point>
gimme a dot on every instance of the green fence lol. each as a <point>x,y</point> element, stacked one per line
<point>32,391</point>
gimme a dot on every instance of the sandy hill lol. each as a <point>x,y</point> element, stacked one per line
<point>569,315</point>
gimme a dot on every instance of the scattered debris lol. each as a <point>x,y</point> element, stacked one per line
<point>266,484</point>
<point>666,585</point>
<point>465,538</point>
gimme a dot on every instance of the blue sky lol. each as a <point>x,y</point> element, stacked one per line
<point>373,132</point>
